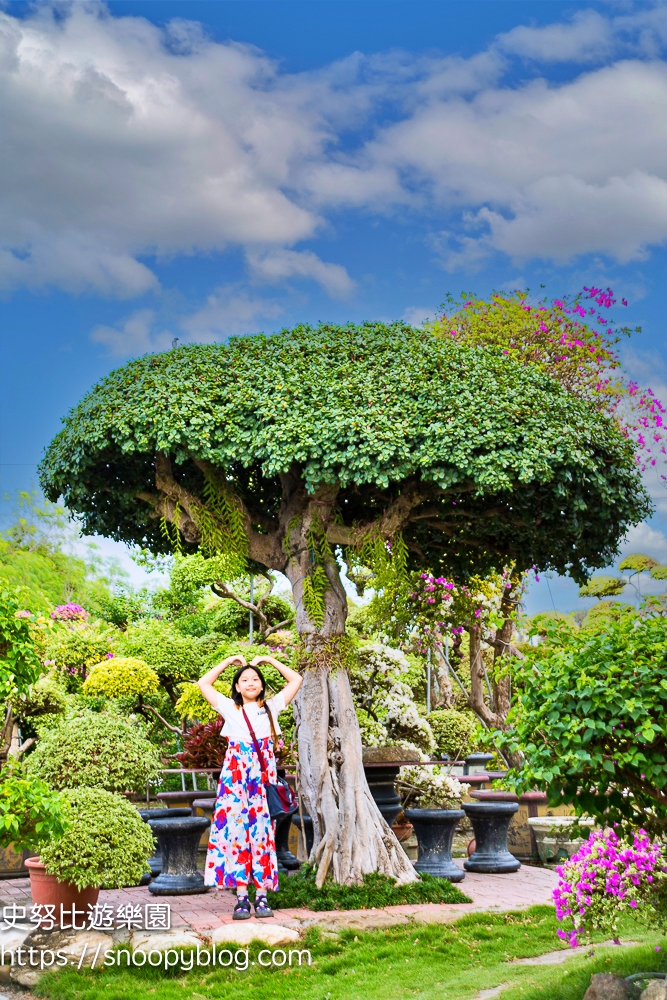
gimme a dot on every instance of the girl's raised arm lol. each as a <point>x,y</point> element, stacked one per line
<point>294,680</point>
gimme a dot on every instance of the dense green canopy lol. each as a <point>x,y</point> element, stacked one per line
<point>507,464</point>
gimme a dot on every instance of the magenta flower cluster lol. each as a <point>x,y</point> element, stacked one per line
<point>69,613</point>
<point>605,877</point>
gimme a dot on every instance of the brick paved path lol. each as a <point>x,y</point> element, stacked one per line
<point>527,887</point>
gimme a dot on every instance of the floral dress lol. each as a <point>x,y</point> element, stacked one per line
<point>242,846</point>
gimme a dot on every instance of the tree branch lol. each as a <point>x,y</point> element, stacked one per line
<point>149,708</point>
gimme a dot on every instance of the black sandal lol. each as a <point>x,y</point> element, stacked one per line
<point>262,908</point>
<point>242,910</point>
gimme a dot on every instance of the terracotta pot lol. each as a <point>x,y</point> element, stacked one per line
<point>403,831</point>
<point>46,890</point>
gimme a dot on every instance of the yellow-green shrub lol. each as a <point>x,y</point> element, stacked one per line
<point>193,705</point>
<point>120,677</point>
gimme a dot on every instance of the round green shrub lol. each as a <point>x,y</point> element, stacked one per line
<point>107,843</point>
<point>94,750</point>
<point>175,657</point>
<point>121,677</point>
<point>455,732</point>
<point>46,696</point>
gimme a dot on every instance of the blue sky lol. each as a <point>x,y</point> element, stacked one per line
<point>194,170</point>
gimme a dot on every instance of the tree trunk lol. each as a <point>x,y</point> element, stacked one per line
<point>446,697</point>
<point>350,836</point>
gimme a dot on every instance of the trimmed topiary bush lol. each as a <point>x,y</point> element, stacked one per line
<point>107,843</point>
<point>455,732</point>
<point>120,677</point>
<point>175,657</point>
<point>94,751</point>
<point>193,705</point>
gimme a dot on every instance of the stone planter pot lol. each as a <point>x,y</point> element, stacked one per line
<point>178,840</point>
<point>490,823</point>
<point>476,763</point>
<point>155,861</point>
<point>12,863</point>
<point>552,836</point>
<point>381,780</point>
<point>520,838</point>
<point>403,831</point>
<point>204,807</point>
<point>181,800</point>
<point>46,890</point>
<point>434,829</point>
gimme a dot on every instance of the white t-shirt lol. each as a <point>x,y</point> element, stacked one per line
<point>235,727</point>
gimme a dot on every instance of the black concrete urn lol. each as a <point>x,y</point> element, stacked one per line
<point>155,861</point>
<point>178,840</point>
<point>490,823</point>
<point>287,862</point>
<point>434,829</point>
<point>381,784</point>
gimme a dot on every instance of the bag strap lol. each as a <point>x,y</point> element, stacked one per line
<point>259,753</point>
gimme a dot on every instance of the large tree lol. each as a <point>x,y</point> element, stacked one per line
<point>398,446</point>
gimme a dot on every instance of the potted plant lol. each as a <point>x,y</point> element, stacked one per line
<point>552,836</point>
<point>105,845</point>
<point>436,798</point>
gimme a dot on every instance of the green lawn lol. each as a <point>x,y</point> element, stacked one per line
<point>447,962</point>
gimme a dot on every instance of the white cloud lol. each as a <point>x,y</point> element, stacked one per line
<point>135,336</point>
<point>115,145</point>
<point>230,311</point>
<point>646,540</point>
<point>418,315</point>
<point>587,36</point>
<point>122,140</point>
<point>275,266</point>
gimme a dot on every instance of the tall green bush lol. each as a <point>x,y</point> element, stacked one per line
<point>95,750</point>
<point>591,720</point>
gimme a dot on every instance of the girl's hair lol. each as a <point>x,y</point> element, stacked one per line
<point>237,697</point>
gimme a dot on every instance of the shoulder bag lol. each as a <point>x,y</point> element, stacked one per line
<point>280,798</point>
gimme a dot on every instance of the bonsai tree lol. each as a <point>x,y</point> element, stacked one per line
<point>455,732</point>
<point>106,844</point>
<point>430,788</point>
<point>603,586</point>
<point>401,448</point>
<point>94,750</point>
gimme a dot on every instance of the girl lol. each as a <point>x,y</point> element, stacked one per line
<point>242,845</point>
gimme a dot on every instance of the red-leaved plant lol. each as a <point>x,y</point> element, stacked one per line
<point>204,746</point>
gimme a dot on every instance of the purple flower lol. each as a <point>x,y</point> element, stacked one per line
<point>22,614</point>
<point>69,613</point>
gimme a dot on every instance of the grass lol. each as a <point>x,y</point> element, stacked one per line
<point>429,961</point>
<point>299,890</point>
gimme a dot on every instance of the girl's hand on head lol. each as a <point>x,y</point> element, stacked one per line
<point>238,658</point>
<point>260,659</point>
